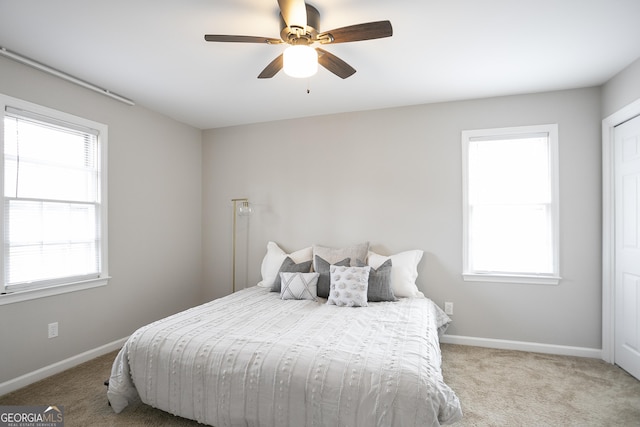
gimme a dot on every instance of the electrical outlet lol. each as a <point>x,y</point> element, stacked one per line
<point>448,308</point>
<point>53,329</point>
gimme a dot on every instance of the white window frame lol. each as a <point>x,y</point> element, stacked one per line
<point>551,130</point>
<point>8,297</point>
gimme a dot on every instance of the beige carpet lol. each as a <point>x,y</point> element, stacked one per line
<point>512,388</point>
<point>496,388</point>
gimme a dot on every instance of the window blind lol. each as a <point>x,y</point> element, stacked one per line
<point>51,201</point>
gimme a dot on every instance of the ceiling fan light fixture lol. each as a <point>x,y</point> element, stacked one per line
<point>300,61</point>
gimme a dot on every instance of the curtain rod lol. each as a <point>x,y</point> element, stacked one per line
<point>39,66</point>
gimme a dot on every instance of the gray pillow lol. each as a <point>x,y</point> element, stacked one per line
<point>324,280</point>
<point>379,282</point>
<point>333,255</point>
<point>289,266</point>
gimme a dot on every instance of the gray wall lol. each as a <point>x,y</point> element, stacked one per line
<point>154,230</point>
<point>621,90</point>
<point>393,177</point>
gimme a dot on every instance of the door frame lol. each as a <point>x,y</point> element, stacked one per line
<point>608,226</point>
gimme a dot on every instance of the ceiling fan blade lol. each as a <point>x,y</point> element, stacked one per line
<point>240,39</point>
<point>334,64</point>
<point>294,12</point>
<point>272,69</point>
<point>354,33</point>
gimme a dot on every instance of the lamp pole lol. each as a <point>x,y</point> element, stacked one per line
<point>245,207</point>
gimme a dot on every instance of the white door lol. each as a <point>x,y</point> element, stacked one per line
<point>627,246</point>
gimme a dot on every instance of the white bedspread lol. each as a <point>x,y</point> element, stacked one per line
<point>251,359</point>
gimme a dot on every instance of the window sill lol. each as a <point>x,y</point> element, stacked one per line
<point>511,278</point>
<point>26,295</point>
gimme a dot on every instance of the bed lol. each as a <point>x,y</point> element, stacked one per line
<point>255,359</point>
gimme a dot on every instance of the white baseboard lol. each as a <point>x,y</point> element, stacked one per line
<point>47,371</point>
<point>533,347</point>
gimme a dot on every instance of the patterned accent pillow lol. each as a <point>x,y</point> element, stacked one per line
<point>324,281</point>
<point>348,286</point>
<point>289,266</point>
<point>299,286</point>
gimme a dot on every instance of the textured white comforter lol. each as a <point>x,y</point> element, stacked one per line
<point>251,359</point>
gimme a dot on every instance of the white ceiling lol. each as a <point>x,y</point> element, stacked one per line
<point>153,52</point>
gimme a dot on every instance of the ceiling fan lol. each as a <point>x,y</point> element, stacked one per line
<point>300,28</point>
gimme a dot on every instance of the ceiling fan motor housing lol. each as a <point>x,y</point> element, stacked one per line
<point>303,29</point>
<point>296,35</point>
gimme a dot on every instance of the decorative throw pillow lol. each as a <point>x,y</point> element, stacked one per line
<point>403,273</point>
<point>299,286</point>
<point>379,282</point>
<point>333,255</point>
<point>273,259</point>
<point>324,281</point>
<point>289,266</point>
<point>348,286</point>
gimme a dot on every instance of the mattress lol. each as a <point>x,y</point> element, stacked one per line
<point>252,359</point>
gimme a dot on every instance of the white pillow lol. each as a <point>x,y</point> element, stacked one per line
<point>299,286</point>
<point>404,271</point>
<point>275,257</point>
<point>348,286</point>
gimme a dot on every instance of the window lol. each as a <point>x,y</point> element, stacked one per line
<point>54,192</point>
<point>510,205</point>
